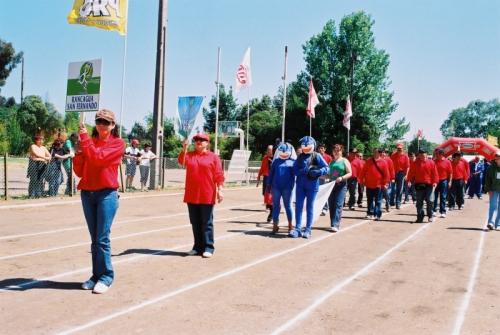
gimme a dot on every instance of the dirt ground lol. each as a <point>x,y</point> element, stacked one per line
<point>386,277</point>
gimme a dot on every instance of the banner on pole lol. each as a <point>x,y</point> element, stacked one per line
<point>84,85</point>
<point>313,100</point>
<point>102,14</point>
<point>189,120</point>
<point>347,113</point>
<point>244,73</point>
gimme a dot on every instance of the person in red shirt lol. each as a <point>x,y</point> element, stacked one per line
<point>401,163</point>
<point>424,175</point>
<point>445,172</point>
<point>386,193</point>
<point>409,187</point>
<point>352,182</point>
<point>361,188</point>
<point>204,181</point>
<point>375,176</point>
<point>96,163</point>
<point>460,172</point>
<point>265,167</point>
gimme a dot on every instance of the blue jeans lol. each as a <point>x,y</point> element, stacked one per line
<point>277,195</point>
<point>302,192</point>
<point>374,200</point>
<point>441,192</point>
<point>397,189</point>
<point>386,194</point>
<point>494,209</point>
<point>475,186</point>
<point>99,208</point>
<point>202,222</point>
<point>424,195</point>
<point>336,202</point>
<point>352,185</point>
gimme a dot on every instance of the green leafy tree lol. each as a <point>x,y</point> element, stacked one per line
<point>35,116</point>
<point>396,133</point>
<point>227,108</point>
<point>414,145</point>
<point>477,119</point>
<point>8,60</point>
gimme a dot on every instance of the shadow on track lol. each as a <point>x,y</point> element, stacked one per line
<point>151,252</point>
<point>467,228</point>
<point>11,283</point>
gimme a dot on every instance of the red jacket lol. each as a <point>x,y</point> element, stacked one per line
<point>264,166</point>
<point>328,159</point>
<point>370,175</point>
<point>423,172</point>
<point>390,165</point>
<point>460,169</point>
<point>444,168</point>
<point>401,162</point>
<point>356,166</point>
<point>203,174</point>
<point>96,162</point>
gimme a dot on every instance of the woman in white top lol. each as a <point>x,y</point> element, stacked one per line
<point>146,157</point>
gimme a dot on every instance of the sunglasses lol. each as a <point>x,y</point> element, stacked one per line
<point>200,140</point>
<point>102,122</point>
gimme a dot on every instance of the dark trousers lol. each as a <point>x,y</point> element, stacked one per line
<point>352,185</point>
<point>361,191</point>
<point>424,194</point>
<point>457,193</point>
<point>441,194</point>
<point>202,222</point>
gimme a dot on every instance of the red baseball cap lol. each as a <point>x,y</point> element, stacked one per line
<point>201,136</point>
<point>399,146</point>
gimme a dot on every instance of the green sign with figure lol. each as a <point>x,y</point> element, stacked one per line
<point>84,85</point>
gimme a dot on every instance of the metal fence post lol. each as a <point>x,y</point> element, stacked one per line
<point>5,174</point>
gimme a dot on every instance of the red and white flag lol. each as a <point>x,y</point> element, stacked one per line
<point>244,73</point>
<point>420,134</point>
<point>313,100</point>
<point>347,113</point>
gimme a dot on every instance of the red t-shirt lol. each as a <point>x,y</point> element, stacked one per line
<point>328,159</point>
<point>390,165</point>
<point>423,172</point>
<point>356,166</point>
<point>444,168</point>
<point>460,169</point>
<point>97,161</point>
<point>401,162</point>
<point>203,174</point>
<point>264,166</point>
<point>370,175</point>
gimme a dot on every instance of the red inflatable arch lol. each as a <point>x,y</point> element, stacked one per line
<point>468,145</point>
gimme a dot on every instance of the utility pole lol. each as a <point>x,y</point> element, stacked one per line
<point>157,141</point>
<point>22,79</point>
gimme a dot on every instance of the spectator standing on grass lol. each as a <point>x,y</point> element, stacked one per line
<point>401,163</point>
<point>96,163</point>
<point>69,146</point>
<point>265,166</point>
<point>144,165</point>
<point>132,155</point>
<point>340,172</point>
<point>204,181</point>
<point>39,157</point>
<point>492,187</point>
<point>425,177</point>
<point>445,173</point>
<point>375,176</point>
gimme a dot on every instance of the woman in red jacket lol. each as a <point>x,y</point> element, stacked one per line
<point>96,163</point>
<point>204,180</point>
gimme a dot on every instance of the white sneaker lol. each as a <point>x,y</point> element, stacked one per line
<point>431,219</point>
<point>100,288</point>
<point>490,226</point>
<point>443,215</point>
<point>497,228</point>
<point>369,217</point>
<point>334,229</point>
<point>88,285</point>
<point>192,252</point>
<point>207,254</point>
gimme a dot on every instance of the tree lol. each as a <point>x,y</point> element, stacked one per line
<point>414,145</point>
<point>478,119</point>
<point>227,108</point>
<point>8,60</point>
<point>35,116</point>
<point>330,57</point>
<point>396,133</point>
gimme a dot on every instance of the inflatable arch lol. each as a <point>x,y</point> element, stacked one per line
<point>468,145</point>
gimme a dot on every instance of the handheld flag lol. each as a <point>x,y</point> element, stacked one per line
<point>103,14</point>
<point>244,73</point>
<point>190,120</point>
<point>313,100</point>
<point>347,114</point>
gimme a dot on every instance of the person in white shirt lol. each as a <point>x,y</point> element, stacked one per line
<point>146,156</point>
<point>132,159</point>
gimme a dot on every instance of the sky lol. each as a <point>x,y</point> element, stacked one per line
<point>443,54</point>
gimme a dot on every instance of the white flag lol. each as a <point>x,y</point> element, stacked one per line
<point>347,114</point>
<point>244,73</point>
<point>313,100</point>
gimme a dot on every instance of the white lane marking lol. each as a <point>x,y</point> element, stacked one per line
<point>72,202</point>
<point>41,251</point>
<point>119,222</point>
<point>206,281</point>
<point>125,260</point>
<point>337,288</point>
<point>464,306</point>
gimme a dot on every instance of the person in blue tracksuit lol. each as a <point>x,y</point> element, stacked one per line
<point>280,181</point>
<point>308,167</point>
<point>476,177</point>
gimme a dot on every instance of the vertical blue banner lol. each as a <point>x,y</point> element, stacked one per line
<point>190,120</point>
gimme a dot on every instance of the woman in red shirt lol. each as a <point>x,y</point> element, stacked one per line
<point>96,163</point>
<point>204,180</point>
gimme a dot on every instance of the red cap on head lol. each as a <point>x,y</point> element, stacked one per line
<point>201,136</point>
<point>399,146</point>
<point>135,141</point>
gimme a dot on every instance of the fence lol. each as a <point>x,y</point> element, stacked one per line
<point>22,178</point>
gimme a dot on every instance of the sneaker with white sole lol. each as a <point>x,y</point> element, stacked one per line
<point>431,219</point>
<point>369,217</point>
<point>497,228</point>
<point>334,229</point>
<point>88,285</point>
<point>100,288</point>
<point>207,254</point>
<point>490,226</point>
<point>192,252</point>
<point>443,215</point>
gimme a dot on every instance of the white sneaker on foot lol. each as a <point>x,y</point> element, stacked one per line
<point>192,252</point>
<point>497,228</point>
<point>100,288</point>
<point>207,254</point>
<point>334,229</point>
<point>88,285</point>
<point>431,219</point>
<point>490,226</point>
<point>443,215</point>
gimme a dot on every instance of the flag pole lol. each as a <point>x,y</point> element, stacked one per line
<point>217,103</point>
<point>310,126</point>
<point>284,95</point>
<point>123,77</point>
<point>248,116</point>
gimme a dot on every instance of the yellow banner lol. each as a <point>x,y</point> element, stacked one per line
<point>103,14</point>
<point>492,140</point>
